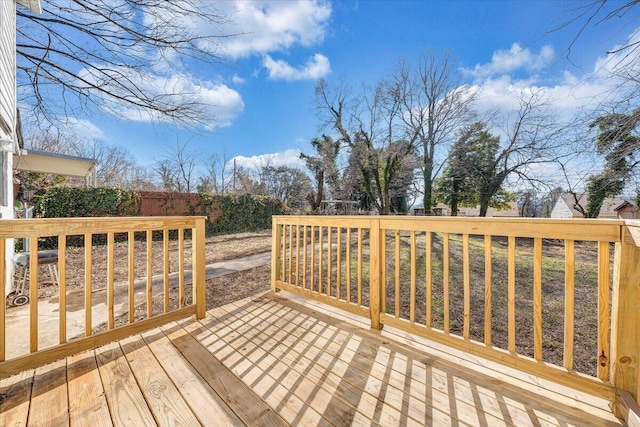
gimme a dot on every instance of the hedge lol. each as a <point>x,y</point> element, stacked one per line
<point>226,213</point>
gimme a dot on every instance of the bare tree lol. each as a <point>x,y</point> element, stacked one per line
<point>324,168</point>
<point>286,184</point>
<point>103,54</point>
<point>218,178</point>
<point>435,106</point>
<point>532,138</point>
<point>370,126</point>
<point>177,171</point>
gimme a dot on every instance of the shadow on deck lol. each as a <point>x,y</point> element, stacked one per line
<point>281,360</point>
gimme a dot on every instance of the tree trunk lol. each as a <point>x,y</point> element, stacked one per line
<point>484,204</point>
<point>454,198</point>
<point>428,186</point>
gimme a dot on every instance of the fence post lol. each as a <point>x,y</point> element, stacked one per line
<point>376,264</point>
<point>198,270</point>
<point>276,242</point>
<point>625,322</point>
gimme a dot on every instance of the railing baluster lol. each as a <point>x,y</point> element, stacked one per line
<point>348,264</point>
<point>62,288</point>
<point>88,316</point>
<point>181,300</point>
<point>33,294</point>
<point>377,268</point>
<point>412,302</point>
<point>110,281</point>
<point>382,259</point>
<point>445,279</point>
<point>537,298</point>
<point>131,241</point>
<point>428,278</point>
<point>487,289</point>
<point>149,273</point>
<point>297,281</point>
<point>339,263</point>
<point>282,252</point>
<point>511,294</point>
<point>165,269</point>
<point>304,256</point>
<point>277,253</point>
<point>313,257</point>
<point>329,259</point>
<point>466,283</point>
<point>290,253</point>
<point>397,274</point>
<point>360,264</point>
<point>569,303</point>
<point>320,257</point>
<point>604,313</point>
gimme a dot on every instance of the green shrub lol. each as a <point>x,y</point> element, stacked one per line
<point>237,213</point>
<point>67,202</point>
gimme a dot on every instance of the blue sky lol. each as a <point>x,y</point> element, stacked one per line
<point>263,92</point>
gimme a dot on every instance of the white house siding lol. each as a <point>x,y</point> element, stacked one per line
<point>7,70</point>
<point>7,117</point>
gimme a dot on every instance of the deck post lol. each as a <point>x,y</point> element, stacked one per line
<point>199,273</point>
<point>625,334</point>
<point>276,242</point>
<point>375,273</point>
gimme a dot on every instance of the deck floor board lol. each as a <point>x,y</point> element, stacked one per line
<point>274,361</point>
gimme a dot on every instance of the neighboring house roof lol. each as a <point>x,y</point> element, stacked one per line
<point>610,206</point>
<point>510,212</point>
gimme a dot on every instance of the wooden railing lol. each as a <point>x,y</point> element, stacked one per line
<point>521,292</point>
<point>122,249</point>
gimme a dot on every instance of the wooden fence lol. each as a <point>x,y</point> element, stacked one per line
<point>515,291</point>
<point>120,233</point>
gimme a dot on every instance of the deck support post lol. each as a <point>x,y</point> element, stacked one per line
<point>199,270</point>
<point>276,243</point>
<point>625,334</point>
<point>377,256</point>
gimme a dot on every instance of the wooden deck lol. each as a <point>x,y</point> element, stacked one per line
<point>276,360</point>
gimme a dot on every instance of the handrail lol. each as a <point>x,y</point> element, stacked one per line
<point>60,229</point>
<point>417,273</point>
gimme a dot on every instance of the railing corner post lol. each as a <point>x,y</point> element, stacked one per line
<point>276,244</point>
<point>199,269</point>
<point>625,322</point>
<point>375,279</point>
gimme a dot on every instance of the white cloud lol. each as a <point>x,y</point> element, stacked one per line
<point>83,128</point>
<point>567,94</point>
<point>516,58</point>
<point>316,67</point>
<point>290,157</point>
<point>264,26</point>
<point>237,79</point>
